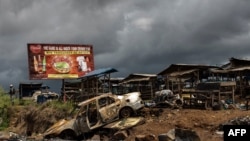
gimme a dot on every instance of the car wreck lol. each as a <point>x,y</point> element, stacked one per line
<point>165,99</point>
<point>95,113</point>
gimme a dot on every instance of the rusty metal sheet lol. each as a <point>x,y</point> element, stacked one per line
<point>126,123</point>
<point>57,128</point>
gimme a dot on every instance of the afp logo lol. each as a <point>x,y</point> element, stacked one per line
<point>239,132</point>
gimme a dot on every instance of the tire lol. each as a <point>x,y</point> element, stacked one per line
<point>126,112</point>
<point>179,102</point>
<point>68,135</point>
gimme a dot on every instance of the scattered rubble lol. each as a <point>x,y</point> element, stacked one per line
<point>236,121</point>
<point>179,134</point>
<point>149,137</point>
<point>158,123</point>
<point>165,99</point>
<point>11,136</point>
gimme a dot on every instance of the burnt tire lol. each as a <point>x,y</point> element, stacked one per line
<point>68,135</point>
<point>126,112</point>
<point>179,102</point>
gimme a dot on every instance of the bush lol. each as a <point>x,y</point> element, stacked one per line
<point>67,107</point>
<point>7,109</point>
<point>4,103</point>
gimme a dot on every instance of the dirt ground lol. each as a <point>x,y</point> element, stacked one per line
<point>204,122</point>
<point>33,122</point>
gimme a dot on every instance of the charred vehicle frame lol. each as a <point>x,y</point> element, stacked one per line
<point>95,113</point>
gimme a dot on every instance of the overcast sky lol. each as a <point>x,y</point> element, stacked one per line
<point>132,36</point>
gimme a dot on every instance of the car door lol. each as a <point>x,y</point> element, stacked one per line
<point>81,123</point>
<point>109,108</point>
<point>88,119</point>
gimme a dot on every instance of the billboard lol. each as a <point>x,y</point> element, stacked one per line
<point>59,61</point>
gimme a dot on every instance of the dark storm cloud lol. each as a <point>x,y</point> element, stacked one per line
<point>194,32</point>
<point>133,36</point>
<point>102,19</point>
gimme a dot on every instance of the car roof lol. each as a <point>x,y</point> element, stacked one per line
<point>93,98</point>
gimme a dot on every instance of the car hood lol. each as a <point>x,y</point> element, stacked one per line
<point>125,123</point>
<point>59,126</point>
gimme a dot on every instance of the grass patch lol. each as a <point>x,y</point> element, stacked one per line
<point>6,105</point>
<point>67,107</point>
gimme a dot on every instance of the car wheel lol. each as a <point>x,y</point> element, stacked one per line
<point>126,112</point>
<point>68,135</point>
<point>179,102</point>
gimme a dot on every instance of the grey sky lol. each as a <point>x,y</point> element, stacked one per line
<point>133,36</point>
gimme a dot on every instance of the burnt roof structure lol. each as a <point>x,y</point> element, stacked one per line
<point>137,77</point>
<point>173,68</point>
<point>176,74</point>
<point>236,63</point>
<point>99,72</point>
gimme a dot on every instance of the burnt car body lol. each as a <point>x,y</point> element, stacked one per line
<point>95,113</point>
<point>165,99</point>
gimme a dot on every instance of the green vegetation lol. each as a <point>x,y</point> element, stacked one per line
<point>67,107</point>
<point>4,103</point>
<point>4,98</point>
<point>6,107</point>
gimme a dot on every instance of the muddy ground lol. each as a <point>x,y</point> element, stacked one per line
<point>33,122</point>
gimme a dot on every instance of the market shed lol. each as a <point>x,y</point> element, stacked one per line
<point>97,81</point>
<point>70,89</point>
<point>208,94</point>
<point>87,86</point>
<point>176,75</point>
<point>115,85</point>
<point>145,83</point>
<point>237,70</point>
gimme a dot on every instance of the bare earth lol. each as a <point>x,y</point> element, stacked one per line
<point>204,122</point>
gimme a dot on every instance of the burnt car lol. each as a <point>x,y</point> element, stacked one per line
<point>165,99</point>
<point>95,113</point>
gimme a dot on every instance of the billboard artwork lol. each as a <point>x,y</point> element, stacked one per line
<point>59,61</point>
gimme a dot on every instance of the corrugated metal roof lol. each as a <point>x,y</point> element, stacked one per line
<point>240,69</point>
<point>143,74</point>
<point>236,63</point>
<point>184,67</point>
<point>99,72</point>
<point>219,71</point>
<point>135,77</point>
<point>247,68</point>
<point>181,73</point>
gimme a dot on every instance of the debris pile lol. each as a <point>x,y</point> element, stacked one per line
<point>177,134</point>
<point>237,121</point>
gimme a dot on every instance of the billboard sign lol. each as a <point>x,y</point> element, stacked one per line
<point>59,61</point>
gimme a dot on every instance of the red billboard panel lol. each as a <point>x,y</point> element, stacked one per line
<point>59,61</point>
